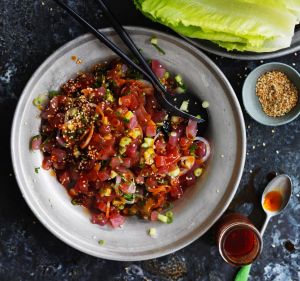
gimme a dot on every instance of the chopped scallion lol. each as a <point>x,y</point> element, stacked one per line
<point>152,232</point>
<point>205,104</point>
<point>198,172</point>
<point>185,105</point>
<point>154,43</point>
<point>101,242</point>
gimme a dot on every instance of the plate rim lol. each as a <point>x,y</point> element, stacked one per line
<point>214,49</point>
<point>57,230</point>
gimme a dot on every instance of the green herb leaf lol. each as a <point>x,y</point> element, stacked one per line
<point>193,148</point>
<point>37,170</point>
<point>52,94</point>
<point>129,197</point>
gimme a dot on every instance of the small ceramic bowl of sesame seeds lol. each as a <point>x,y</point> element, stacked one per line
<point>271,94</point>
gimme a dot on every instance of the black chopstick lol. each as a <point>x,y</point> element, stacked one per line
<point>129,43</point>
<point>161,92</point>
<point>101,37</point>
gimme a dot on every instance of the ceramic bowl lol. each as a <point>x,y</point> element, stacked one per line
<point>200,206</point>
<point>251,101</point>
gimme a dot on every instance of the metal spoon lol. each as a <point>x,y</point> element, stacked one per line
<point>283,185</point>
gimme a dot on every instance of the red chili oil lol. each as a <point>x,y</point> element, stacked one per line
<point>239,241</point>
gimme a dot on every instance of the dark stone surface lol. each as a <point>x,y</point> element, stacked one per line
<point>29,32</point>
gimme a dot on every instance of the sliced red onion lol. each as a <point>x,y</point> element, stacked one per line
<point>133,122</point>
<point>124,69</point>
<point>117,220</point>
<point>183,172</point>
<point>132,188</point>
<point>158,69</point>
<point>190,159</point>
<point>207,150</point>
<point>191,129</point>
<point>60,139</point>
<point>173,138</point>
<point>160,72</point>
<point>118,180</point>
<point>36,142</point>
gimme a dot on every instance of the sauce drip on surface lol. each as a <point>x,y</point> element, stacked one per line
<point>239,242</point>
<point>273,201</point>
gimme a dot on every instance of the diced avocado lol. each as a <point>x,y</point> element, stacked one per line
<point>149,155</point>
<point>135,133</point>
<point>113,174</point>
<point>128,116</point>
<point>174,173</point>
<point>125,141</point>
<point>148,142</point>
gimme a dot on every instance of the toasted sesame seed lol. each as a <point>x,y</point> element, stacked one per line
<point>276,93</point>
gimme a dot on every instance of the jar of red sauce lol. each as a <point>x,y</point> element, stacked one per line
<point>238,240</point>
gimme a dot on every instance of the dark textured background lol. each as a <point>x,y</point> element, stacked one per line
<point>29,32</point>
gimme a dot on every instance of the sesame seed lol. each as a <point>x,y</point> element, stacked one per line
<point>263,144</point>
<point>276,93</point>
<point>253,146</point>
<point>277,151</point>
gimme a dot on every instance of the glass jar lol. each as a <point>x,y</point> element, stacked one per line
<point>238,240</point>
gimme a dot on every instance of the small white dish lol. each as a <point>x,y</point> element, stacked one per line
<point>251,101</point>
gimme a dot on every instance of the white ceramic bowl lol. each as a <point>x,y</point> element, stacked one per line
<point>201,205</point>
<point>252,103</point>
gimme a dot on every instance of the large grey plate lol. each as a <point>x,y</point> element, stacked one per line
<point>202,204</point>
<point>215,49</point>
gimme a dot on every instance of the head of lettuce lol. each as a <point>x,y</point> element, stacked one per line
<point>243,25</point>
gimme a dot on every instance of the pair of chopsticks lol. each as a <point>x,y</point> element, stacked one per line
<point>145,69</point>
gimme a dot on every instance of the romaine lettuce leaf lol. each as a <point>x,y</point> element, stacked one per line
<point>245,25</point>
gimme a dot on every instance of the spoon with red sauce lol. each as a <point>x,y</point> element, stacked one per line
<point>275,198</point>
